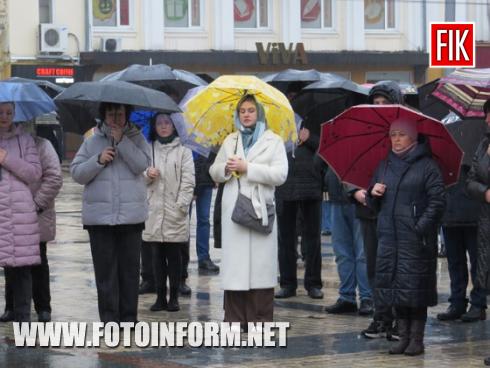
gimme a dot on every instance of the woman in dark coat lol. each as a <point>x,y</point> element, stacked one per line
<point>477,185</point>
<point>409,196</point>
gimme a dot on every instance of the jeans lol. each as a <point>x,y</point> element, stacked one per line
<point>349,253</point>
<point>326,216</point>
<point>203,226</point>
<point>459,240</point>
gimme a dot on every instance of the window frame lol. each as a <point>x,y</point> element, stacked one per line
<point>117,28</point>
<point>190,27</point>
<point>386,29</point>
<point>257,28</point>
<point>51,6</point>
<point>322,28</point>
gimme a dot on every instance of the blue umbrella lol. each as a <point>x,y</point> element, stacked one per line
<point>30,100</point>
<point>141,118</point>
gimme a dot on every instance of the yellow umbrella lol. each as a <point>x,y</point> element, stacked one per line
<point>209,114</point>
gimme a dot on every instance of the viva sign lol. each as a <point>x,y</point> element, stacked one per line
<point>277,53</point>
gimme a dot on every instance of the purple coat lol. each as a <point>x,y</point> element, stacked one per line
<point>46,189</point>
<point>19,229</point>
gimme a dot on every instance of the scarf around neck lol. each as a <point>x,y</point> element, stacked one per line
<point>404,152</point>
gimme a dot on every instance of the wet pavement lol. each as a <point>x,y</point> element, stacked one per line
<point>315,339</point>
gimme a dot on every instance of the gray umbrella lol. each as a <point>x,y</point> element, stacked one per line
<point>86,97</point>
<point>158,76</point>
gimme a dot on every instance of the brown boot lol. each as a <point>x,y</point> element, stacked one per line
<point>416,346</point>
<point>404,333</point>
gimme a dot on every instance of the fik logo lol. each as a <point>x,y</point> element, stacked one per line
<point>452,45</point>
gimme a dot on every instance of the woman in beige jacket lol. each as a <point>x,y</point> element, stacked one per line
<point>170,189</point>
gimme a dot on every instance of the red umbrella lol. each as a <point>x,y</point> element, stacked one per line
<point>354,142</point>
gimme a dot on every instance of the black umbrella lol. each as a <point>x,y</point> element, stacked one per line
<point>430,105</point>
<point>158,76</point>
<point>330,89</point>
<point>468,133</point>
<point>283,79</point>
<point>50,88</point>
<point>84,98</point>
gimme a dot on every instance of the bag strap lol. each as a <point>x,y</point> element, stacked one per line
<point>236,149</point>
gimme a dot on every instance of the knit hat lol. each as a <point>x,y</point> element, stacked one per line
<point>407,127</point>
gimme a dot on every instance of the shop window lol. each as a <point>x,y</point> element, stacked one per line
<point>45,11</point>
<point>316,14</point>
<point>397,76</point>
<point>182,13</point>
<point>111,13</point>
<point>379,14</point>
<point>251,13</point>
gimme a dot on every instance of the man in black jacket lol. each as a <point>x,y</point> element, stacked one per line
<point>460,234</point>
<point>301,192</point>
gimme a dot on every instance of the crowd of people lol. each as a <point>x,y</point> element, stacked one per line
<point>138,197</point>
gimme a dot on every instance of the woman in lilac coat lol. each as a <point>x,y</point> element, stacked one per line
<point>19,229</point>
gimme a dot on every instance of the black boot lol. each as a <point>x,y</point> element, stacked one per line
<point>452,313</point>
<point>7,316</point>
<point>474,314</point>
<point>416,345</point>
<point>161,302</point>
<point>404,333</point>
<point>173,302</point>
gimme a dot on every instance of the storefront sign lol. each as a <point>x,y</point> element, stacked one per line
<point>55,72</point>
<point>277,53</point>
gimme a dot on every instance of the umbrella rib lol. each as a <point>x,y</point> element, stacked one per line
<point>359,156</point>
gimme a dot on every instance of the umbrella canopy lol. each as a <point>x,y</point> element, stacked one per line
<point>210,113</point>
<point>429,104</point>
<point>283,79</point>
<point>85,97</point>
<point>50,88</point>
<point>467,133</point>
<point>331,88</point>
<point>465,91</point>
<point>30,100</point>
<point>354,142</point>
<point>158,76</point>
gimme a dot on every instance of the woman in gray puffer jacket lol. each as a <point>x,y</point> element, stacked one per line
<point>110,164</point>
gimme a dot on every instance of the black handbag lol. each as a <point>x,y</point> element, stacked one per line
<point>244,214</point>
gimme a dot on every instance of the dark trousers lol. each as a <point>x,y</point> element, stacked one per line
<point>41,293</point>
<point>185,250</point>
<point>116,258</point>
<point>19,280</point>
<point>147,263</point>
<point>256,305</point>
<point>167,262</point>
<point>311,238</point>
<point>411,314</point>
<point>370,239</point>
<point>460,240</point>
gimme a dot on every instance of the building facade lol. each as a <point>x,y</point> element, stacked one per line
<point>365,40</point>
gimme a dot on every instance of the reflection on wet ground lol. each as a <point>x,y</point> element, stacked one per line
<point>315,339</point>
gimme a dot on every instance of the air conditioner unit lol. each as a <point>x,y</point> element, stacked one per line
<point>52,38</point>
<point>110,44</point>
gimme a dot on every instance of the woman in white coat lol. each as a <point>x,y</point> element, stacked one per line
<point>171,184</point>
<point>249,258</point>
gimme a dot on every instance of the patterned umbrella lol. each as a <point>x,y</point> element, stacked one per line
<point>465,91</point>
